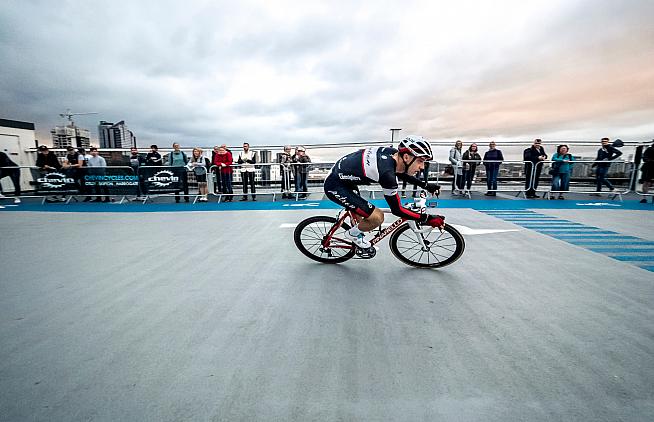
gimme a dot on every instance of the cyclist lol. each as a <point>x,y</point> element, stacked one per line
<point>381,165</point>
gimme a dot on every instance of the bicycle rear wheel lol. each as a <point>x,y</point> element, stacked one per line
<point>442,248</point>
<point>309,236</point>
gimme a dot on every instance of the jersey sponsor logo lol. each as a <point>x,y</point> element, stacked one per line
<point>348,177</point>
<point>370,169</point>
<point>343,200</point>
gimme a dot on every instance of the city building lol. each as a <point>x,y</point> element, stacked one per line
<point>64,136</point>
<point>115,135</point>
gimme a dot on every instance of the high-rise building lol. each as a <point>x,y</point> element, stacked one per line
<point>115,135</point>
<point>63,136</point>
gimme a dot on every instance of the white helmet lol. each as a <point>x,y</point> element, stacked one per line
<point>416,146</point>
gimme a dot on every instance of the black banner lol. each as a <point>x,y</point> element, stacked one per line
<point>110,180</point>
<point>56,181</point>
<point>162,179</point>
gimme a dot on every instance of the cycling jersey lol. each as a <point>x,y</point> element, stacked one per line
<point>365,167</point>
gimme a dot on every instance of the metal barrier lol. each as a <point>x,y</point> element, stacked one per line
<point>587,177</point>
<point>69,183</point>
<point>499,176</point>
<point>299,180</point>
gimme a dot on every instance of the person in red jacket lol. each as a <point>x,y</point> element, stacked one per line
<point>223,159</point>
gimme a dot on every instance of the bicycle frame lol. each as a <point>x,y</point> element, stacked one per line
<point>344,214</point>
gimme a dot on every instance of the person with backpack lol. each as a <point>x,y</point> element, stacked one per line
<point>177,159</point>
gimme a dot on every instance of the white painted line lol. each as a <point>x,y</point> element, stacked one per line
<point>468,231</point>
<point>598,204</point>
<point>465,230</point>
<point>305,204</point>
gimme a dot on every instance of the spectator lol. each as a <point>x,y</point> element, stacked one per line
<point>471,159</point>
<point>247,159</point>
<point>136,161</point>
<point>533,157</point>
<point>648,171</point>
<point>97,167</point>
<point>177,159</point>
<point>215,170</point>
<point>605,154</point>
<point>12,173</point>
<point>223,159</point>
<point>199,164</point>
<point>47,161</point>
<point>424,174</point>
<point>285,161</point>
<point>561,168</point>
<point>492,160</point>
<point>301,160</point>
<point>456,159</point>
<point>152,159</point>
<point>73,164</point>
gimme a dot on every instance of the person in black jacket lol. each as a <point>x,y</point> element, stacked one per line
<point>471,159</point>
<point>648,171</point>
<point>533,157</point>
<point>136,161</point>
<point>604,155</point>
<point>13,173</point>
<point>47,161</point>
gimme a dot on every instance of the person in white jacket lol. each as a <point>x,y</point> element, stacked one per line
<point>456,159</point>
<point>247,159</point>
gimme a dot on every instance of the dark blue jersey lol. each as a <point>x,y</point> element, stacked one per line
<point>375,165</point>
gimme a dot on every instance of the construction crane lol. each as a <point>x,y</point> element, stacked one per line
<point>70,115</point>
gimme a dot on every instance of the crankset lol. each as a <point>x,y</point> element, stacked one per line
<point>365,253</point>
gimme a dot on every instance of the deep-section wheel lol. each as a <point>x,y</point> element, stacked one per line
<point>310,234</point>
<point>440,248</point>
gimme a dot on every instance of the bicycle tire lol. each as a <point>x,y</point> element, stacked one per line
<point>450,246</point>
<point>308,236</point>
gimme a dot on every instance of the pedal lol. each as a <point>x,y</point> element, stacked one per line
<point>366,253</point>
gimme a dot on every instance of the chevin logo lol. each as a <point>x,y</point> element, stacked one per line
<point>55,181</point>
<point>163,178</point>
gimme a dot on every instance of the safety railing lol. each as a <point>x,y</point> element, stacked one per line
<point>69,183</point>
<point>298,180</point>
<point>585,177</point>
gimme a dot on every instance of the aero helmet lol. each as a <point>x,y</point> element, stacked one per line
<point>416,146</point>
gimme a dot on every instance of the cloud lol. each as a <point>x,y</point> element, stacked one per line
<point>208,72</point>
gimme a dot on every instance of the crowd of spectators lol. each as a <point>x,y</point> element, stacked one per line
<point>294,169</point>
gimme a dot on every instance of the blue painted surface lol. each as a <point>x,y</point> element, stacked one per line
<point>616,251</point>
<point>519,207</point>
<point>638,258</point>
<point>546,231</point>
<point>574,233</point>
<point>611,242</point>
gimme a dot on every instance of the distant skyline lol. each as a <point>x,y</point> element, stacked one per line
<point>286,72</point>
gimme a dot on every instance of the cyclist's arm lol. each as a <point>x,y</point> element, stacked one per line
<point>431,187</point>
<point>412,180</point>
<point>393,199</point>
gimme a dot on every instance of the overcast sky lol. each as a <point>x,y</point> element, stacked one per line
<point>275,72</point>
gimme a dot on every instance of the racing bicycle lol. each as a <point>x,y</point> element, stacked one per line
<point>322,239</point>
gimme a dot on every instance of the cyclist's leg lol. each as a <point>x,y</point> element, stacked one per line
<point>348,197</point>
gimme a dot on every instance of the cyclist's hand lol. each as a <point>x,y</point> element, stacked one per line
<point>433,187</point>
<point>436,221</point>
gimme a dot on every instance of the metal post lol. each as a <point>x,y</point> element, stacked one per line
<point>393,135</point>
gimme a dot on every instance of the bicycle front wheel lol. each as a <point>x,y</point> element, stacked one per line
<point>309,237</point>
<point>440,249</point>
